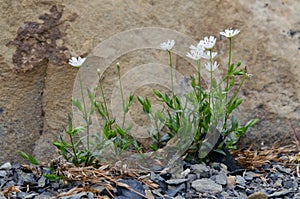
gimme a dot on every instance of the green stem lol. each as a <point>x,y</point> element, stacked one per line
<point>240,86</point>
<point>104,101</point>
<point>171,73</point>
<point>85,115</point>
<point>199,81</point>
<point>197,138</point>
<point>122,95</point>
<point>74,151</point>
<point>211,76</point>
<point>227,81</point>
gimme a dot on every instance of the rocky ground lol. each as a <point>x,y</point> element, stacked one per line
<point>213,180</point>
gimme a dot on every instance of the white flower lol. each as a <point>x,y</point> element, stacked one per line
<point>207,55</point>
<point>76,62</point>
<point>208,42</point>
<point>195,53</point>
<point>249,75</point>
<point>230,33</point>
<point>167,45</point>
<point>212,67</point>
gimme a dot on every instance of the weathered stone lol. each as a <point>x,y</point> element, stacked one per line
<point>176,181</point>
<point>6,166</point>
<point>221,179</point>
<point>207,186</point>
<point>240,180</point>
<point>257,195</point>
<point>201,170</point>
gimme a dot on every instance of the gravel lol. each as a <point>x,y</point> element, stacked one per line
<point>192,181</point>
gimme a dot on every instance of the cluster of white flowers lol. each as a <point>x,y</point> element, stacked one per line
<point>203,48</point>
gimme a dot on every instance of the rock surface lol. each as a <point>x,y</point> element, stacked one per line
<point>34,104</point>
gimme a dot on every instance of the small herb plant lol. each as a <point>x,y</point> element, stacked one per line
<point>206,112</point>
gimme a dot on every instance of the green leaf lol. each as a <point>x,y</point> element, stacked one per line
<point>52,177</point>
<point>120,131</point>
<point>252,122</point>
<point>30,158</point>
<point>160,116</point>
<point>145,103</point>
<point>153,147</point>
<point>220,151</point>
<point>158,93</point>
<point>239,72</point>
<point>233,104</point>
<point>141,100</point>
<point>231,83</point>
<point>230,69</point>
<point>77,103</point>
<point>193,82</point>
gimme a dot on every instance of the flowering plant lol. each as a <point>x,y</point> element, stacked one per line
<point>216,128</point>
<point>204,115</point>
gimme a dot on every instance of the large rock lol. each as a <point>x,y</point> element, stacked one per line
<point>34,104</point>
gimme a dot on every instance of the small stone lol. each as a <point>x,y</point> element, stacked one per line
<point>296,196</point>
<point>258,195</point>
<point>206,185</point>
<point>273,176</point>
<point>185,173</point>
<point>201,169</point>
<point>248,178</point>
<point>42,181</point>
<point>29,196</point>
<point>278,183</point>
<point>191,177</point>
<point>2,196</point>
<point>288,184</point>
<point>231,180</point>
<point>135,185</point>
<point>249,191</point>
<point>2,174</point>
<point>221,179</point>
<point>240,180</point>
<point>179,197</point>
<point>6,166</point>
<point>176,181</point>
<point>27,178</point>
<point>280,193</point>
<point>282,169</point>
<point>172,192</point>
<point>42,197</point>
<point>149,194</point>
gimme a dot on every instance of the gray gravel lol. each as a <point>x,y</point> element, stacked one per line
<point>193,181</point>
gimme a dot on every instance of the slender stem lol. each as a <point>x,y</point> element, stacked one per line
<point>74,150</point>
<point>240,86</point>
<point>152,117</point>
<point>104,101</point>
<point>85,115</point>
<point>122,95</point>
<point>211,75</point>
<point>171,74</point>
<point>200,101</point>
<point>227,81</point>
<point>199,80</point>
